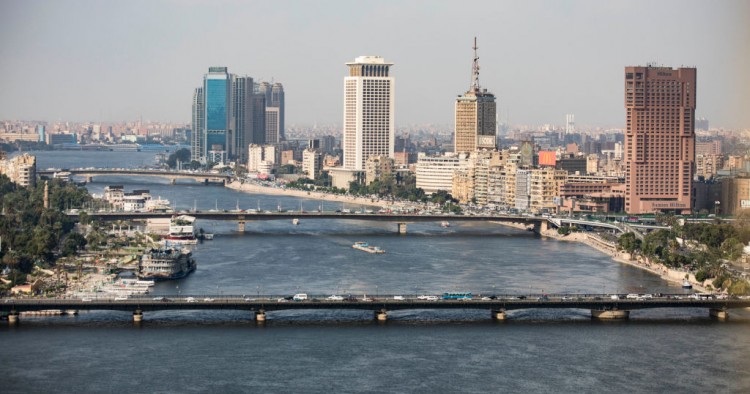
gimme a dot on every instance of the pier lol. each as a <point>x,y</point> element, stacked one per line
<point>601,306</point>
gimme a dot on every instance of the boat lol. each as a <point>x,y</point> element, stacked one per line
<point>166,264</point>
<point>295,221</point>
<point>208,236</point>
<point>686,284</point>
<point>365,247</point>
<point>181,230</point>
<point>445,224</point>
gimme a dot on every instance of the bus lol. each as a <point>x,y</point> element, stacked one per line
<point>456,296</point>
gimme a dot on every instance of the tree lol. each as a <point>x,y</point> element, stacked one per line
<point>182,155</point>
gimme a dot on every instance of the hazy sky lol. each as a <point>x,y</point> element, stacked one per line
<point>107,60</point>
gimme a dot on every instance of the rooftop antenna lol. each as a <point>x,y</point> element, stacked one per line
<point>475,69</point>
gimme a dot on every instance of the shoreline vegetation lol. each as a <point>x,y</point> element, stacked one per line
<point>670,275</point>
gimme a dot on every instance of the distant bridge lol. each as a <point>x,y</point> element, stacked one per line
<point>537,223</point>
<point>90,173</point>
<point>602,306</point>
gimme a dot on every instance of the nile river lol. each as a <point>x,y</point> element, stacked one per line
<point>346,351</point>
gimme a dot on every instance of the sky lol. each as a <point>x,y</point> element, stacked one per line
<point>120,60</point>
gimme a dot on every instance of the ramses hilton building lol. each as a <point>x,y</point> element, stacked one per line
<point>659,139</point>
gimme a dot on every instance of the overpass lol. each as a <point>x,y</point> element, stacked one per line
<point>173,176</point>
<point>538,224</point>
<point>602,306</point>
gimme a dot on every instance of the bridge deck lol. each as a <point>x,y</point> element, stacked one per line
<point>381,303</point>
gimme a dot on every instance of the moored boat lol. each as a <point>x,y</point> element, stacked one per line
<point>686,284</point>
<point>165,264</point>
<point>181,230</point>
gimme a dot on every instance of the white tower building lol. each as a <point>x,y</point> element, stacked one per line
<point>369,127</point>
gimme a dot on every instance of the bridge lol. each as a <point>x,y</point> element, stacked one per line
<point>90,173</point>
<point>602,306</point>
<point>538,224</point>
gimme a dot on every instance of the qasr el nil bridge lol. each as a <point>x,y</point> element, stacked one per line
<point>173,176</point>
<point>602,306</point>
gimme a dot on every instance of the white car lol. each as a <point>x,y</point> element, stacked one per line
<point>300,297</point>
<point>335,298</point>
<point>399,298</point>
<point>121,298</point>
<point>190,299</point>
<point>86,299</point>
<point>428,297</point>
<point>208,299</point>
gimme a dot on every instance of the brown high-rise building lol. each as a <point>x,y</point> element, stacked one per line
<point>475,115</point>
<point>659,139</point>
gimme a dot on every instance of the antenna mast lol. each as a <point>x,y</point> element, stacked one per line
<point>475,69</point>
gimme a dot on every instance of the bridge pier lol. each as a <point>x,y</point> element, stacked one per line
<point>541,227</point>
<point>401,228</point>
<point>89,179</point>
<point>13,318</point>
<point>241,226</point>
<point>137,316</point>
<point>381,315</point>
<point>498,314</point>
<point>260,316</point>
<point>611,314</point>
<point>172,181</point>
<point>719,314</point>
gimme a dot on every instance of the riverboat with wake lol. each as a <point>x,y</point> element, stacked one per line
<point>365,247</point>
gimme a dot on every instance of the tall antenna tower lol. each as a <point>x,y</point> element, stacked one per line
<point>475,69</point>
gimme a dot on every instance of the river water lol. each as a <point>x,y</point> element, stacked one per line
<point>346,351</point>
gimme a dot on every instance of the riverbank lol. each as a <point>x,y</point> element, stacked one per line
<point>280,191</point>
<point>670,275</point>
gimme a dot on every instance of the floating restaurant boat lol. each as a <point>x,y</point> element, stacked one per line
<point>166,264</point>
<point>365,247</point>
<point>181,230</point>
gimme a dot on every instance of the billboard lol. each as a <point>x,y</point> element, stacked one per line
<point>547,158</point>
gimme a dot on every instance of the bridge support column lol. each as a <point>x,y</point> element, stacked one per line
<point>381,315</point>
<point>172,181</point>
<point>241,226</point>
<point>137,316</point>
<point>260,316</point>
<point>401,228</point>
<point>13,318</point>
<point>499,314</point>
<point>613,314</point>
<point>720,314</point>
<point>89,179</point>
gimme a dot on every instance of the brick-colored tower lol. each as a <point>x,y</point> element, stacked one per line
<point>659,139</point>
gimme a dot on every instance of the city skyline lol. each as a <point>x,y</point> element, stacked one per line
<point>100,62</point>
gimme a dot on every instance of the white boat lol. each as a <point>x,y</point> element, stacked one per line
<point>181,230</point>
<point>445,224</point>
<point>295,221</point>
<point>208,236</point>
<point>365,247</point>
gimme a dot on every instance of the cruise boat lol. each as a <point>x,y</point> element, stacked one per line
<point>365,247</point>
<point>181,230</point>
<point>166,264</point>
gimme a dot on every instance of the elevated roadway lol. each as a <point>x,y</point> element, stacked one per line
<point>90,173</point>
<point>601,306</point>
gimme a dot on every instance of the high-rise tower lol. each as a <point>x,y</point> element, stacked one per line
<point>475,115</point>
<point>369,128</point>
<point>659,139</point>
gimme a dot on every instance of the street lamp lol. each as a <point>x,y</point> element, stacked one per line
<point>716,207</point>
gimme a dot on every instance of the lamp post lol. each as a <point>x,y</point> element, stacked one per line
<point>716,207</point>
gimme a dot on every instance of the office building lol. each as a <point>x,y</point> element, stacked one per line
<point>312,163</point>
<point>228,116</point>
<point>659,139</point>
<point>475,115</point>
<point>436,172</point>
<point>274,98</point>
<point>368,111</point>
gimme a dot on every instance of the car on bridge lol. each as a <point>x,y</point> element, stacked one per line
<point>335,298</point>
